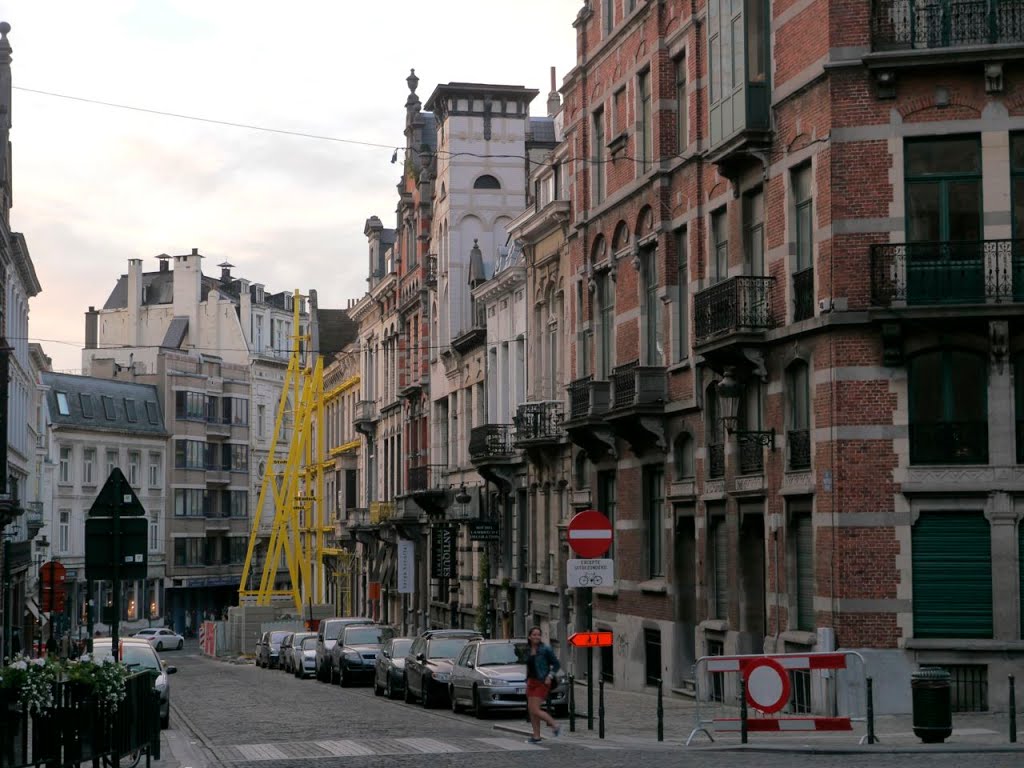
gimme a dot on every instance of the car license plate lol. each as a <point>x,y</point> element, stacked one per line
<point>520,690</point>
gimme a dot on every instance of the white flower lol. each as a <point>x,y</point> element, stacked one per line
<point>19,664</point>
<point>85,657</point>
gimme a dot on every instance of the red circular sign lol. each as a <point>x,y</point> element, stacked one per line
<point>590,533</point>
<point>767,685</point>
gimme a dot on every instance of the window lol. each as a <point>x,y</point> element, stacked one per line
<point>803,216</point>
<point>582,333</point>
<point>190,502</point>
<point>719,556</point>
<point>109,411</point>
<point>597,157</point>
<point>801,547</point>
<point>134,468</point>
<point>86,401</point>
<point>753,231</point>
<point>152,412</point>
<point>240,503</point>
<point>720,245</point>
<point>64,533</point>
<point>798,415</point>
<point>682,341</point>
<point>129,410</point>
<point>606,498</point>
<point>654,516</point>
<point>189,454</point>
<point>113,459</point>
<point>645,139</point>
<point>1017,186</point>
<point>945,263</point>
<point>261,421</point>
<point>682,456</point>
<point>951,558</point>
<point>738,39</point>
<point>155,470</point>
<point>605,325</point>
<point>948,407</point>
<point>486,181</point>
<point>190,405</point>
<point>88,466</point>
<point>651,311</point>
<point>189,551</point>
<point>154,532</point>
<point>237,459</point>
<point>64,471</point>
<point>682,107</point>
<point>62,404</point>
<point>609,15</point>
<point>239,547</point>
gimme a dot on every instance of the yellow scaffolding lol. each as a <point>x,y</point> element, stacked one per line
<point>297,487</point>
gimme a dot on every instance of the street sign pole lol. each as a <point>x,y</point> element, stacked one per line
<point>587,593</point>
<point>116,608</point>
<point>88,614</point>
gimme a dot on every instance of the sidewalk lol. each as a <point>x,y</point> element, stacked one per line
<point>631,720</point>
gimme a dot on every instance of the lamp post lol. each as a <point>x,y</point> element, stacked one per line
<point>730,393</point>
<point>41,545</point>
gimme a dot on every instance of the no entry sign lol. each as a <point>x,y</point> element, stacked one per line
<point>590,533</point>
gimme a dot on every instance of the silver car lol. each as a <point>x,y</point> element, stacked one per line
<point>303,654</point>
<point>136,654</point>
<point>491,675</point>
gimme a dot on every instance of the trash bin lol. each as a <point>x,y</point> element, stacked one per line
<point>933,707</point>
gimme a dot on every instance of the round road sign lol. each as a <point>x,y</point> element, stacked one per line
<point>767,685</point>
<point>590,533</point>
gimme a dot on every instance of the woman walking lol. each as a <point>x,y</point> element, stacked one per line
<point>541,666</point>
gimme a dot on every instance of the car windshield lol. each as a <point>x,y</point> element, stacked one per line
<point>497,654</point>
<point>277,637</point>
<point>367,635</point>
<point>446,648</point>
<point>333,630</point>
<point>136,656</point>
<point>309,643</point>
<point>401,647</point>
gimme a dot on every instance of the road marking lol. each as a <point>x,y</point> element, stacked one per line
<point>429,746</point>
<point>261,752</point>
<point>344,748</point>
<point>252,753</point>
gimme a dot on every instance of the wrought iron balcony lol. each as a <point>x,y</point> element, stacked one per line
<point>803,294</point>
<point>588,397</point>
<point>490,441</point>
<point>740,304</point>
<point>798,441</point>
<point>430,270</point>
<point>539,422</point>
<point>716,460</point>
<point>949,442</point>
<point>426,477</point>
<point>752,445</point>
<point>914,25</point>
<point>942,273</point>
<point>638,385</point>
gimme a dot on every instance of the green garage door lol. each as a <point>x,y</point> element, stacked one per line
<point>952,562</point>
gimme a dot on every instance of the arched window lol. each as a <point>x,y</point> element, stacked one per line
<point>948,399</point>
<point>682,456</point>
<point>486,182</point>
<point>621,237</point>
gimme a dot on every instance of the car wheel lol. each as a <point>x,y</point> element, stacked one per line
<point>378,689</point>
<point>478,710</point>
<point>165,720</point>
<point>159,645</point>
<point>389,693</point>
<point>409,698</point>
<point>341,678</point>
<point>425,699</point>
<point>456,707</point>
<point>181,644</point>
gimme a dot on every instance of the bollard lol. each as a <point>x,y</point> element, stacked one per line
<point>743,710</point>
<point>661,712</point>
<point>1013,712</point>
<point>600,709</point>
<point>871,710</point>
<point>572,704</point>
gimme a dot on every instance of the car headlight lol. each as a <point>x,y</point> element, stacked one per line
<point>352,656</point>
<point>489,681</point>
<point>442,677</point>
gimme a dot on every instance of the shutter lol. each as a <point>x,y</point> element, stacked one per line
<point>1020,566</point>
<point>952,572</point>
<point>804,572</point>
<point>721,542</point>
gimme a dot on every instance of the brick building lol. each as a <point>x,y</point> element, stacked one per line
<point>794,340</point>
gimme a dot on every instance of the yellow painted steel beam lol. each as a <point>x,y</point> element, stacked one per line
<point>351,445</point>
<point>345,386</point>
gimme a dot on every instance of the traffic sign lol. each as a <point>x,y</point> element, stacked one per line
<point>116,492</point>
<point>52,573</point>
<point>99,548</point>
<point>590,639</point>
<point>590,533</point>
<point>597,572</point>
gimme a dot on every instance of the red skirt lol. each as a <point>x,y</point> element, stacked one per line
<point>536,689</point>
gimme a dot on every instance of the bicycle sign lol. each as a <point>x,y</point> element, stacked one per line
<point>598,572</point>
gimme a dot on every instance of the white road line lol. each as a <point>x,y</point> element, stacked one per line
<point>344,748</point>
<point>429,746</point>
<point>261,752</point>
<point>510,745</point>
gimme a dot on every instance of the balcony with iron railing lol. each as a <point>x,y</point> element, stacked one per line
<point>739,305</point>
<point>426,477</point>
<point>491,441</point>
<point>539,423</point>
<point>716,460</point>
<point>476,333</point>
<point>913,25</point>
<point>586,426</point>
<point>949,442</point>
<point>947,273</point>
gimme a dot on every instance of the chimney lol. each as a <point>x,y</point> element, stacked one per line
<point>164,262</point>
<point>225,272</point>
<point>92,318</point>
<point>188,275</point>
<point>134,301</point>
<point>554,101</point>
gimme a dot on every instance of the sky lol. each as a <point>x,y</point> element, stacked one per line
<point>97,185</point>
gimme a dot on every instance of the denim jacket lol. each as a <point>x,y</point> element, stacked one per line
<point>545,662</point>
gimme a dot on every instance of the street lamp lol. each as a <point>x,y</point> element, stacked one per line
<point>729,392</point>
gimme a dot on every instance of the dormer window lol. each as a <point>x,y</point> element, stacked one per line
<point>62,404</point>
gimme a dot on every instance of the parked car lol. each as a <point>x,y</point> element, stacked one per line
<point>326,637</point>
<point>285,654</point>
<point>137,653</point>
<point>428,664</point>
<point>354,655</point>
<point>161,638</point>
<point>303,660</point>
<point>389,668</point>
<point>268,650</point>
<point>490,675</point>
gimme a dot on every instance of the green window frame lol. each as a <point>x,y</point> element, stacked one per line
<point>753,231</point>
<point>951,561</point>
<point>948,407</point>
<point>654,518</point>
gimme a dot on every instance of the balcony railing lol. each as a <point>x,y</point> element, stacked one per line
<point>803,294</point>
<point>490,441</point>
<point>934,273</point>
<point>751,453</point>
<point>799,443</point>
<point>949,442</point>
<point>579,397</point>
<point>381,511</point>
<point>426,476</point>
<point>623,381</point>
<point>741,303</point>
<point>365,411</point>
<point>915,25</point>
<point>430,270</point>
<point>716,460</point>
<point>539,421</point>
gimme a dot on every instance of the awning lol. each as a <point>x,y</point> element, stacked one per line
<point>387,572</point>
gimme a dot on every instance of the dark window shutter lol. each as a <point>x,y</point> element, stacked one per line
<point>804,572</point>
